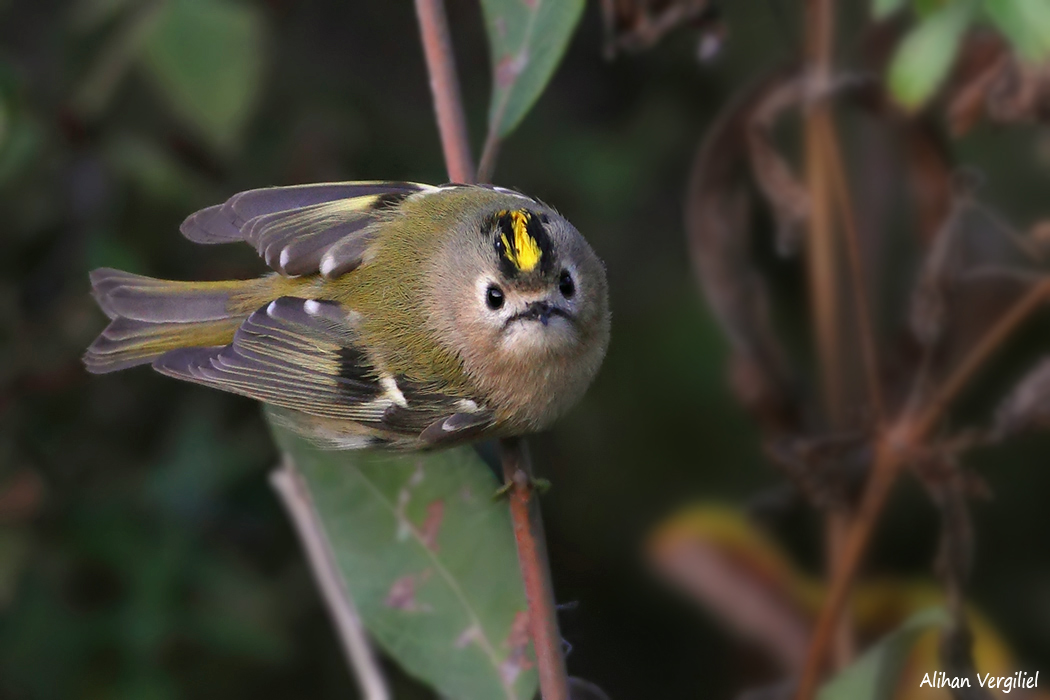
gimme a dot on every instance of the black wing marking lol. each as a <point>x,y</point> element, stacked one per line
<point>303,229</point>
<point>304,355</point>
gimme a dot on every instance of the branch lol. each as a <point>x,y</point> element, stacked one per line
<point>524,511</point>
<point>444,86</point>
<point>976,358</point>
<point>824,181</point>
<point>863,309</point>
<point>837,523</point>
<point>289,485</point>
<point>820,247</point>
<point>883,476</point>
<point>535,571</point>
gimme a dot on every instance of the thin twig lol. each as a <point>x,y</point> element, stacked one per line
<point>822,269</point>
<point>444,86</point>
<point>524,510</point>
<point>978,355</point>
<point>863,309</point>
<point>295,496</point>
<point>883,476</point>
<point>823,272</point>
<point>837,523</point>
<point>535,571</point>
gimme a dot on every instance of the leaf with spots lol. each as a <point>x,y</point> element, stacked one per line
<point>527,39</point>
<point>430,561</point>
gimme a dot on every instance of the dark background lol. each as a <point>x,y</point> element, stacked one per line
<point>142,554</point>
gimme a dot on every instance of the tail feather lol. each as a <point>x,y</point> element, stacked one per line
<point>128,343</point>
<point>151,317</point>
<point>125,295</point>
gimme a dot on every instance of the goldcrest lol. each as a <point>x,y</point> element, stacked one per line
<point>397,314</point>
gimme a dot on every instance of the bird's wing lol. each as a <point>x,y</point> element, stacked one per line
<point>304,229</point>
<point>304,355</point>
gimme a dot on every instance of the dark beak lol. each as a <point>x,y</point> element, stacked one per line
<point>541,311</point>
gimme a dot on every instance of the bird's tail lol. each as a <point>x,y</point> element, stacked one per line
<point>151,316</point>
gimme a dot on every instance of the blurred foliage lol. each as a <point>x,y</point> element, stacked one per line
<point>205,58</point>
<point>873,676</point>
<point>717,557</point>
<point>926,54</point>
<point>153,561</point>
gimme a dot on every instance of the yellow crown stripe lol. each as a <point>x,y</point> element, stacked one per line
<point>525,253</point>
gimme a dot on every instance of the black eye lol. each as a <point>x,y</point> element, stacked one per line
<point>566,285</point>
<point>494,297</point>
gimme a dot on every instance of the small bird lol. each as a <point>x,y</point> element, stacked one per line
<point>397,315</point>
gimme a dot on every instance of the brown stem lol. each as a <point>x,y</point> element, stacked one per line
<point>293,492</point>
<point>883,476</point>
<point>444,86</point>
<point>822,270</point>
<point>862,304</point>
<point>820,248</point>
<point>535,571</point>
<point>517,469</point>
<point>820,20</point>
<point>837,523</point>
<point>822,266</point>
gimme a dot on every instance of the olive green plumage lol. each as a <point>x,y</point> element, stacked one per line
<point>397,314</point>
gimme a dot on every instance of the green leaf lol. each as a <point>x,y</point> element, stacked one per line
<point>206,56</point>
<point>874,675</point>
<point>430,561</point>
<point>927,53</point>
<point>881,9</point>
<point>925,8</point>
<point>527,39</point>
<point>1026,23</point>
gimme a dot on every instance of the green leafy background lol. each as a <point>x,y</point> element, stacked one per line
<point>155,562</point>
